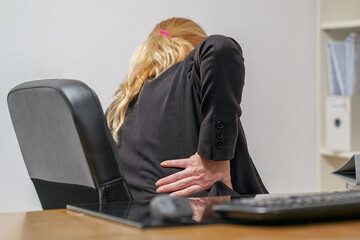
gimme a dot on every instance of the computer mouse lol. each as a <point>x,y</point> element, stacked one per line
<point>166,208</point>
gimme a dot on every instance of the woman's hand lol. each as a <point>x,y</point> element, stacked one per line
<point>199,174</point>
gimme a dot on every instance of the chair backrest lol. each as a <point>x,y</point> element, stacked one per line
<point>66,144</point>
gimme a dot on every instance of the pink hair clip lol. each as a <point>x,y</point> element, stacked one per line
<point>165,33</point>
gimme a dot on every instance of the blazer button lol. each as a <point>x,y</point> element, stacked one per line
<point>220,135</point>
<point>219,144</point>
<point>220,125</point>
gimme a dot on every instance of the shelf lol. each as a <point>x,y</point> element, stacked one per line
<point>336,19</point>
<point>344,155</point>
<point>341,25</point>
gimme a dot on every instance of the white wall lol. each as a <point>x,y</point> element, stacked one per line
<point>93,40</point>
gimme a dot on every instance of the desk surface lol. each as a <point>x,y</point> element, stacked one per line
<point>65,224</point>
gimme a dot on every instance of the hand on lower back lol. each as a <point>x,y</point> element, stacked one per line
<point>199,174</point>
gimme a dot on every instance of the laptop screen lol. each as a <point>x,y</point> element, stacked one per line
<point>137,213</point>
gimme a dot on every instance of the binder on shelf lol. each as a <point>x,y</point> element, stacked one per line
<point>334,53</point>
<point>342,123</point>
<point>344,65</point>
<point>336,56</point>
<point>350,171</point>
<point>342,112</point>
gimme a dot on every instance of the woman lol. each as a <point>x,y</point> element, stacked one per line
<point>176,117</point>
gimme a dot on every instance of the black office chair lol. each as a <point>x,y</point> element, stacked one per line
<point>66,145</point>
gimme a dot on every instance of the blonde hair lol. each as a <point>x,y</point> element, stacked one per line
<point>153,57</point>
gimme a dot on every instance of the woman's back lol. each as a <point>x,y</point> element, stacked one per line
<point>179,113</point>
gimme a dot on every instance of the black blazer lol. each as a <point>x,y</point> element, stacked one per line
<point>192,107</point>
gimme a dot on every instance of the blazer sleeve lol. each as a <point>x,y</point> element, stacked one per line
<point>219,78</point>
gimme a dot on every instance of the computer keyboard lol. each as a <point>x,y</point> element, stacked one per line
<point>313,206</point>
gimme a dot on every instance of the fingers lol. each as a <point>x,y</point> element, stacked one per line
<point>175,186</point>
<point>187,191</point>
<point>177,163</point>
<point>173,178</point>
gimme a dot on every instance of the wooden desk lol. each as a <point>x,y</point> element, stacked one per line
<point>65,224</point>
